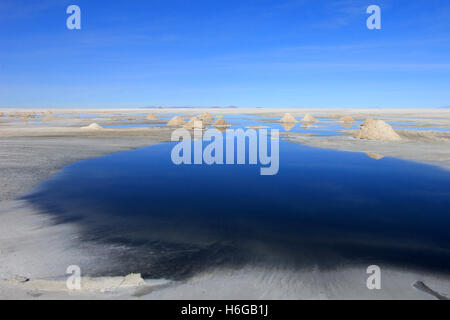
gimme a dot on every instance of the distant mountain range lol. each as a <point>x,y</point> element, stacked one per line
<point>190,107</point>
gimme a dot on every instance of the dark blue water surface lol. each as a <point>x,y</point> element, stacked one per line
<point>323,209</point>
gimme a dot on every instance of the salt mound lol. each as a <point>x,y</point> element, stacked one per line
<point>194,123</point>
<point>14,114</point>
<point>334,116</point>
<point>205,116</point>
<point>176,121</point>
<point>221,122</point>
<point>133,280</point>
<point>346,119</point>
<point>92,126</point>
<point>377,130</point>
<point>151,116</point>
<point>288,118</point>
<point>49,118</point>
<point>27,115</point>
<point>375,156</point>
<point>309,118</point>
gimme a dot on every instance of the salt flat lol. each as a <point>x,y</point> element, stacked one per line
<point>32,150</point>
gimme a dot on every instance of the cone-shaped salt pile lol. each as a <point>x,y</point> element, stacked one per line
<point>288,118</point>
<point>308,118</point>
<point>49,118</point>
<point>176,121</point>
<point>334,116</point>
<point>133,280</point>
<point>194,123</point>
<point>151,116</point>
<point>375,156</point>
<point>92,126</point>
<point>205,116</point>
<point>346,119</point>
<point>1,114</point>
<point>220,122</point>
<point>377,130</point>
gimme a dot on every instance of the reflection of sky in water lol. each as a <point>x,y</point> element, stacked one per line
<point>317,128</point>
<point>325,208</point>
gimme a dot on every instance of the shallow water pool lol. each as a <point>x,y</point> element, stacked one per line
<point>324,209</point>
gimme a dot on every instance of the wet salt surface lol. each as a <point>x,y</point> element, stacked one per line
<point>324,209</point>
<point>417,126</point>
<point>133,125</point>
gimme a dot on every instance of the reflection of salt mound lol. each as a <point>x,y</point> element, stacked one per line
<point>288,126</point>
<point>205,116</point>
<point>257,127</point>
<point>176,121</point>
<point>49,118</point>
<point>346,119</point>
<point>92,126</point>
<point>377,130</point>
<point>221,128</point>
<point>288,118</point>
<point>346,125</point>
<point>194,123</point>
<point>309,118</point>
<point>151,116</point>
<point>220,122</point>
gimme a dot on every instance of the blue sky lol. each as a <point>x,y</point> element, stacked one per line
<point>258,53</point>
